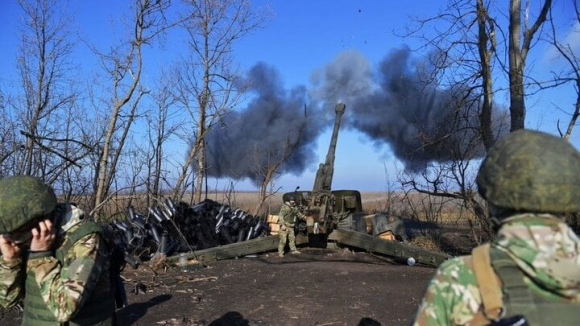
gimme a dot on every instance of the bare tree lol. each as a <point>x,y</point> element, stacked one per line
<point>463,50</point>
<point>469,47</point>
<point>486,46</point>
<point>518,53</point>
<point>569,76</point>
<point>450,179</point>
<point>161,129</point>
<point>267,166</point>
<point>124,66</point>
<point>8,139</point>
<point>47,95</point>
<point>465,43</point>
<point>205,81</point>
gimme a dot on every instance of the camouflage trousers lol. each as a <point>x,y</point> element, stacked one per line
<point>287,234</point>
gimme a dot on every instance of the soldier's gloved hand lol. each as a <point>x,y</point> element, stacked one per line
<point>43,236</point>
<point>9,248</point>
<point>283,227</point>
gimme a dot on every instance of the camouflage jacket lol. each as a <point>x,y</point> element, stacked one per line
<point>63,287</point>
<point>543,247</point>
<point>288,215</point>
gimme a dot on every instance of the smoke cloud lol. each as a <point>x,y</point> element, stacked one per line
<point>395,106</point>
<point>273,122</point>
<point>345,80</point>
<point>420,122</point>
<point>392,105</point>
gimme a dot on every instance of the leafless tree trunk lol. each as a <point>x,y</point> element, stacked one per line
<point>518,52</point>
<point>206,83</point>
<point>160,130</point>
<point>464,49</point>
<point>486,46</point>
<point>125,69</point>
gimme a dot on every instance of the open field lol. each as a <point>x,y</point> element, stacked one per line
<point>372,201</point>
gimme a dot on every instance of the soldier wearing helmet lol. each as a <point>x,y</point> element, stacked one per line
<point>530,273</point>
<point>52,258</point>
<point>287,219</point>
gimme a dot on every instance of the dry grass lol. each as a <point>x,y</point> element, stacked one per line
<point>425,242</point>
<point>372,202</point>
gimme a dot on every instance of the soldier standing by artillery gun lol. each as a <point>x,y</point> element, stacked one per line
<point>289,213</point>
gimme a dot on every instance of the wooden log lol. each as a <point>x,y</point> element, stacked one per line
<point>397,250</point>
<point>238,249</point>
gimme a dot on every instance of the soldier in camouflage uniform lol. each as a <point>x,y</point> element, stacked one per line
<point>52,258</point>
<point>530,273</point>
<point>287,219</point>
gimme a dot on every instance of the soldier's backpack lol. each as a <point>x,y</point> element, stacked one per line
<point>506,296</point>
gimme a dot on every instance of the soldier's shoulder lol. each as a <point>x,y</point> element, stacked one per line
<point>457,269</point>
<point>453,263</point>
<point>285,207</point>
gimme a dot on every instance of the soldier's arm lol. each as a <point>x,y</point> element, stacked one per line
<point>66,288</point>
<point>300,215</point>
<point>11,280</point>
<point>451,298</point>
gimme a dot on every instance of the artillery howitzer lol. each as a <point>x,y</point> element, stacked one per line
<point>326,209</point>
<point>337,216</point>
<point>333,216</point>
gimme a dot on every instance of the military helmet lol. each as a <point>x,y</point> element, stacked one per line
<point>290,197</point>
<point>23,199</point>
<point>531,171</point>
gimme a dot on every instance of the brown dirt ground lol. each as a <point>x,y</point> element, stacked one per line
<point>318,287</point>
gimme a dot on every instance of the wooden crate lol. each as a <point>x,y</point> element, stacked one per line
<point>273,222</point>
<point>274,228</point>
<point>272,218</point>
<point>388,235</point>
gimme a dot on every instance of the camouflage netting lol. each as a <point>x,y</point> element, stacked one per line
<point>531,171</point>
<point>22,199</point>
<point>173,228</point>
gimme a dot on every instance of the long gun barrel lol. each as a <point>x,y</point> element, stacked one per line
<point>325,171</point>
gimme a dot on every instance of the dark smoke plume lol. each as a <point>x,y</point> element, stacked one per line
<point>420,122</point>
<point>274,120</point>
<point>344,80</point>
<point>394,106</point>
